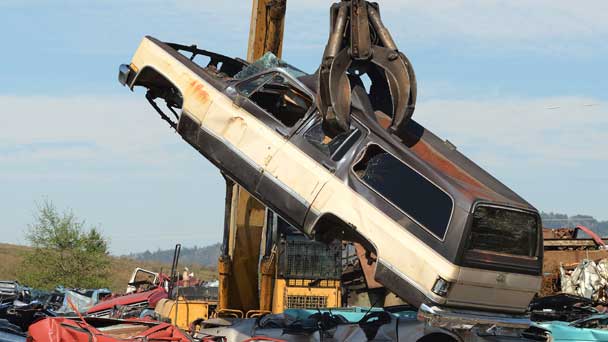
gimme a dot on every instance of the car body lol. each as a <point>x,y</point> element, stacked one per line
<point>52,329</point>
<point>590,329</point>
<point>397,323</point>
<point>445,232</point>
<point>131,302</point>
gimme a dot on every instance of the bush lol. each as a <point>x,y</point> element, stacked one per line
<point>65,253</point>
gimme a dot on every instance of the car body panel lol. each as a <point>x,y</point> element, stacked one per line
<point>147,299</point>
<point>103,330</point>
<point>563,331</point>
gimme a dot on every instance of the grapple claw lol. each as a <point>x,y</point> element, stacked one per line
<point>366,47</point>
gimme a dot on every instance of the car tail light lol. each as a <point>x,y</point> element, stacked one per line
<point>441,287</point>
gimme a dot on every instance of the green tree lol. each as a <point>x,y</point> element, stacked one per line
<point>65,252</point>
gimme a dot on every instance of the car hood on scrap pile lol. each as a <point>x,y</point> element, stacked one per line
<point>151,296</point>
<point>57,329</point>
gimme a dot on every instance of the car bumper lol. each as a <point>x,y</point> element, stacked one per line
<point>465,319</point>
<point>125,74</point>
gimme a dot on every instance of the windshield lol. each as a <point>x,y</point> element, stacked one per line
<point>268,61</point>
<point>504,231</point>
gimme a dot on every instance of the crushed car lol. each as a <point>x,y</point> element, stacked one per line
<point>10,332</point>
<point>103,330</point>
<point>590,329</point>
<point>398,323</point>
<point>144,290</point>
<point>561,307</point>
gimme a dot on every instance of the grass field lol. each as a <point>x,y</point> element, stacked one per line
<point>121,268</point>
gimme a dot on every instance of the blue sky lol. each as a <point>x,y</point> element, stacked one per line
<point>519,86</point>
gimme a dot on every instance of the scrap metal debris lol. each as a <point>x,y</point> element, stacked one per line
<point>103,330</point>
<point>588,279</point>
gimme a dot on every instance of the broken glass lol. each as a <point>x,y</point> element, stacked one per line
<point>282,100</point>
<point>268,61</point>
<point>504,231</point>
<point>317,137</point>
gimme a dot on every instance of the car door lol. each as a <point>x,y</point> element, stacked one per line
<point>290,177</point>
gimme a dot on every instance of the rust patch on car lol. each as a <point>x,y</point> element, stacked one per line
<point>199,91</point>
<point>428,154</point>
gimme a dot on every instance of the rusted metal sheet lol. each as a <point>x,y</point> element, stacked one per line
<point>103,330</point>
<point>560,233</point>
<point>570,243</point>
<point>553,259</point>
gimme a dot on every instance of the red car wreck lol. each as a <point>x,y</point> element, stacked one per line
<point>56,329</point>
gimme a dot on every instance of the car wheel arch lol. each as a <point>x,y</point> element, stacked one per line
<point>328,227</point>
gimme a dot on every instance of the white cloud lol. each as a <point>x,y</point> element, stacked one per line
<point>88,139</point>
<point>119,124</point>
<point>543,25</point>
<point>552,130</point>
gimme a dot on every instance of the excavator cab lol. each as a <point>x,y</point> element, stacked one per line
<point>267,265</point>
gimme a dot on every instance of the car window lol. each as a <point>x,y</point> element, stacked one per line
<point>405,189</point>
<point>248,87</point>
<point>329,146</point>
<point>505,231</point>
<point>281,99</point>
<point>266,62</point>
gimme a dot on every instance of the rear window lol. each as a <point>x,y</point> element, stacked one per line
<point>405,189</point>
<point>504,231</point>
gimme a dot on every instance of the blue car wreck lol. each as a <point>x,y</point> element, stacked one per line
<point>593,328</point>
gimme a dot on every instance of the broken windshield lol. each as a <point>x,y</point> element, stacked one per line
<point>266,62</point>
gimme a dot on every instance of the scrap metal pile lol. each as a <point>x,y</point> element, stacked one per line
<point>575,263</point>
<point>95,314</point>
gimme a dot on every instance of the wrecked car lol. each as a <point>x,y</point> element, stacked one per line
<point>10,332</point>
<point>444,231</point>
<point>103,330</point>
<point>593,328</point>
<point>561,307</point>
<point>144,290</point>
<point>11,290</point>
<point>397,323</point>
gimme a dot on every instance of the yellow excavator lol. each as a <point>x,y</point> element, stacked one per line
<point>265,266</point>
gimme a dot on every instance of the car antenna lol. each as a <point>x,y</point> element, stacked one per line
<point>370,309</point>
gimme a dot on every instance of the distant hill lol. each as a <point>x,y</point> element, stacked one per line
<point>204,256</point>
<point>556,220</point>
<point>207,256</point>
<point>121,267</point>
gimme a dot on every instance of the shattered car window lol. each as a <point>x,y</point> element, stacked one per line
<point>268,61</point>
<point>282,100</point>
<point>248,87</point>
<point>317,137</point>
<point>504,231</point>
<point>143,281</point>
<point>406,189</point>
